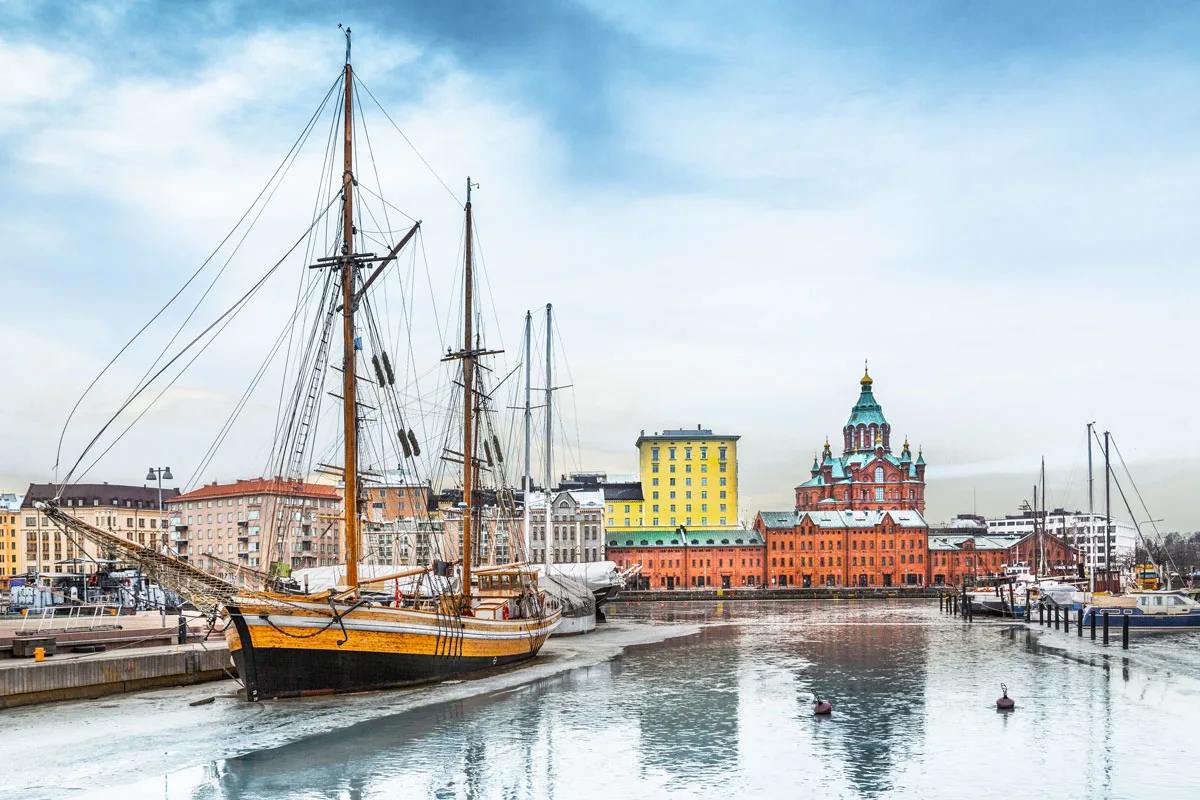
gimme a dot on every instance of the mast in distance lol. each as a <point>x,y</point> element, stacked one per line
<point>549,429</point>
<point>527,484</point>
<point>1091,525</point>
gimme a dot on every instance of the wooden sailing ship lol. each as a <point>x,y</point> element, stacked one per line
<point>351,637</point>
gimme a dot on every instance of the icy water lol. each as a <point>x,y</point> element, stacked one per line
<point>727,713</point>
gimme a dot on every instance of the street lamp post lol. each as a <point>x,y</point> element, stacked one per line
<point>159,473</point>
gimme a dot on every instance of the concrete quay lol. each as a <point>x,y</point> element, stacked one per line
<point>24,681</point>
<point>786,593</point>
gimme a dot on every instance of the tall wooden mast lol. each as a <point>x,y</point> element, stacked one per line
<point>349,401</point>
<point>468,379</point>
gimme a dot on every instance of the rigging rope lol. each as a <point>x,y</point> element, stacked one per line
<point>288,157</point>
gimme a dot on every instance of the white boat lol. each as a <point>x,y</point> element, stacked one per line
<point>1164,610</point>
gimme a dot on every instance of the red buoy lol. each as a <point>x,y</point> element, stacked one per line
<point>822,707</point>
<point>1005,703</point>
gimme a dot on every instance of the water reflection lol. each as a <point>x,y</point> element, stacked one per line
<point>728,714</point>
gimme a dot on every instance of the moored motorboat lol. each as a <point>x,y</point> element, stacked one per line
<point>1163,610</point>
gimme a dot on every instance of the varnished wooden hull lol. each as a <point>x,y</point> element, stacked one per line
<point>303,650</point>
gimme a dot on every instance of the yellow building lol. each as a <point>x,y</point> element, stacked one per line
<point>686,477</point>
<point>12,557</point>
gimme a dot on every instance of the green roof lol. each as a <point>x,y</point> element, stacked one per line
<point>867,410</point>
<point>696,537</point>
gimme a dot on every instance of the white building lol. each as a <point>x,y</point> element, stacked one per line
<point>577,522</point>
<point>1081,531</point>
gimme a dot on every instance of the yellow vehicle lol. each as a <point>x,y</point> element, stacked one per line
<point>1145,577</point>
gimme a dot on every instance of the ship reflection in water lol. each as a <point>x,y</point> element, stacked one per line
<point>729,714</point>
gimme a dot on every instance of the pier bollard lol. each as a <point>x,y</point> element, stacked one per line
<point>1079,624</point>
<point>1106,626</point>
<point>1124,631</point>
<point>39,654</point>
<point>1093,624</point>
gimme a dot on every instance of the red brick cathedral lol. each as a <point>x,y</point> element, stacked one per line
<point>867,475</point>
<point>859,519</point>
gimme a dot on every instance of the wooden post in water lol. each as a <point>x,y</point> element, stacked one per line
<point>1106,626</point>
<point>1124,631</point>
<point>1079,625</point>
<point>1093,624</point>
<point>1028,612</point>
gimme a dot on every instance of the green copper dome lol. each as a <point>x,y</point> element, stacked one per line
<point>867,410</point>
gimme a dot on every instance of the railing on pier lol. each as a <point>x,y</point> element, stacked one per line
<point>77,618</point>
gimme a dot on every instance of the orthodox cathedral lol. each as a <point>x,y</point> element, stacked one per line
<point>867,475</point>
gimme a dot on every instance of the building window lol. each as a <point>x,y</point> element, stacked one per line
<point>687,453</point>
<point>723,466</point>
<point>654,454</point>
<point>671,452</point>
<point>654,468</point>
<point>721,453</point>
<point>722,481</point>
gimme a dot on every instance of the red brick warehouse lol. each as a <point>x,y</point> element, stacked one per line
<point>704,557</point>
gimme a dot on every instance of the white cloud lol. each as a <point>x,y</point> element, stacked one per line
<point>1010,271</point>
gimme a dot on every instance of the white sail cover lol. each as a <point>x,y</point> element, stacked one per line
<point>576,599</point>
<point>320,579</point>
<point>594,575</point>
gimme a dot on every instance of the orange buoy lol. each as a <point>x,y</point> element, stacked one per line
<point>822,707</point>
<point>1005,703</point>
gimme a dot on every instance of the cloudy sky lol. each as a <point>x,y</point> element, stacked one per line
<point>730,205</point>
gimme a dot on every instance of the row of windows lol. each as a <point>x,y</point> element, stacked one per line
<point>688,481</point>
<point>110,521</point>
<point>698,563</point>
<point>687,496</point>
<point>855,561</point>
<point>722,453</point>
<point>688,467</point>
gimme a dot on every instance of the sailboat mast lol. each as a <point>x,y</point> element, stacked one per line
<point>349,399</point>
<point>1042,540</point>
<point>468,379</point>
<point>1035,530</point>
<point>527,484</point>
<point>1107,519</point>
<point>1091,524</point>
<point>549,423</point>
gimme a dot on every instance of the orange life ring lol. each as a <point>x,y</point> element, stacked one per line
<point>93,579</point>
<point>504,611</point>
